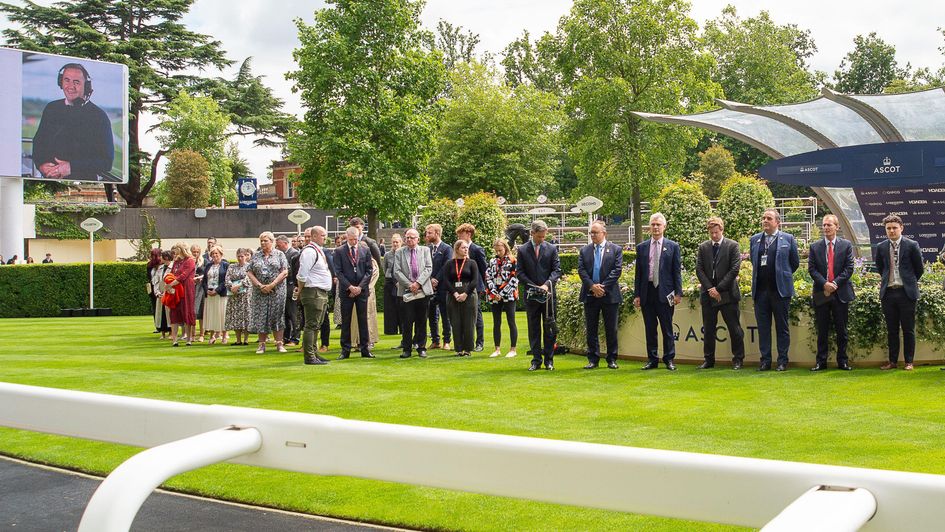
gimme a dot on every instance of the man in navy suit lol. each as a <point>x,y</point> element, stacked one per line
<point>830,265</point>
<point>657,284</point>
<point>476,253</point>
<point>441,253</point>
<point>599,266</point>
<point>353,268</point>
<point>899,263</point>
<point>538,270</point>
<point>774,260</point>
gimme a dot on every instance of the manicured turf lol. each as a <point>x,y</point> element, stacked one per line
<point>868,418</point>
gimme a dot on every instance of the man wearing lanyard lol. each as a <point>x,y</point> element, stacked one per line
<point>353,268</point>
<point>830,265</point>
<point>899,263</point>
<point>774,260</point>
<point>599,267</point>
<point>314,283</point>
<point>413,267</point>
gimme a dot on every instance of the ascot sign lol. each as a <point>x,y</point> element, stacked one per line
<point>887,167</point>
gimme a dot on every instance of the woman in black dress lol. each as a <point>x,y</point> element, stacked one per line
<point>461,277</point>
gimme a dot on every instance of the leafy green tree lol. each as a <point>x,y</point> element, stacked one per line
<point>535,64</point>
<point>161,54</point>
<point>371,110</point>
<point>744,199</point>
<point>483,211</point>
<point>869,68</point>
<point>443,211</point>
<point>686,209</point>
<point>188,179</point>
<point>495,138</point>
<point>624,56</point>
<point>456,45</point>
<point>716,164</point>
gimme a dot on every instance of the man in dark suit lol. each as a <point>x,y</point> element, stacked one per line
<point>774,260</point>
<point>292,323</point>
<point>442,253</point>
<point>717,263</point>
<point>657,284</point>
<point>476,253</point>
<point>353,268</point>
<point>538,270</point>
<point>830,265</point>
<point>599,266</point>
<point>899,263</point>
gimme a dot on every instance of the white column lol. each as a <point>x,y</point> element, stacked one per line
<point>11,218</point>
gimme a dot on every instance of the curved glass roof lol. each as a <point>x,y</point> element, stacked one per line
<point>915,115</point>
<point>839,124</point>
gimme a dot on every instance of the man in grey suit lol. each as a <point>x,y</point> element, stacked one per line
<point>413,266</point>
<point>717,265</point>
<point>899,263</point>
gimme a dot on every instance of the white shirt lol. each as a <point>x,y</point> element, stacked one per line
<point>313,268</point>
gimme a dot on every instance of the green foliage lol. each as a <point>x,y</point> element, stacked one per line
<point>525,63</point>
<point>495,138</point>
<point>150,238</point>
<point>369,87</point>
<point>41,290</point>
<point>743,201</point>
<point>60,220</point>
<point>686,209</point>
<point>716,164</point>
<point>188,180</point>
<point>455,45</point>
<point>444,212</point>
<point>146,36</point>
<point>869,68</point>
<point>483,211</point>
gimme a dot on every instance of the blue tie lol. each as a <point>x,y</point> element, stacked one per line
<point>596,275</point>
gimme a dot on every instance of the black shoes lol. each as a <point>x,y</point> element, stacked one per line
<point>819,367</point>
<point>591,365</point>
<point>405,355</point>
<point>535,365</point>
<point>550,366</point>
<point>845,367</point>
<point>764,366</point>
<point>650,365</point>
<point>782,367</point>
<point>315,360</point>
<point>368,355</point>
<point>344,355</point>
<point>737,365</point>
<point>706,365</point>
<point>670,366</point>
<point>612,364</point>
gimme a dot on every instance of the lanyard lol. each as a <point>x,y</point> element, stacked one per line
<point>459,267</point>
<point>353,255</point>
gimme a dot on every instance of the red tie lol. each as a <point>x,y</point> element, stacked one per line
<point>829,262</point>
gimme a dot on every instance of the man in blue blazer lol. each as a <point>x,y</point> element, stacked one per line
<point>441,253</point>
<point>657,284</point>
<point>774,260</point>
<point>830,265</point>
<point>599,266</point>
<point>899,263</point>
<point>353,268</point>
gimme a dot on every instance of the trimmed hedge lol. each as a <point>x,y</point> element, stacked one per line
<point>42,290</point>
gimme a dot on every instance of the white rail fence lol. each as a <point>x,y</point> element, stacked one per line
<point>740,491</point>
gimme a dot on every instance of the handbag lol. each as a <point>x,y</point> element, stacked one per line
<point>536,295</point>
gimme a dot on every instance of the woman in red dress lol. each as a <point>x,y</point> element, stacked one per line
<point>183,313</point>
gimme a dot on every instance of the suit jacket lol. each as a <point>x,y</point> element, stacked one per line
<point>372,245</point>
<point>478,254</point>
<point>842,267</point>
<point>786,262</point>
<point>357,273</point>
<point>670,274</point>
<point>442,254</point>
<point>719,272</point>
<point>221,277</point>
<point>910,266</point>
<point>536,272</point>
<point>611,265</point>
<point>402,270</point>
<point>292,256</point>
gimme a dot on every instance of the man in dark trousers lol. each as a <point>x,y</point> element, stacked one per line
<point>830,265</point>
<point>599,267</point>
<point>292,324</point>
<point>441,253</point>
<point>717,263</point>
<point>467,232</point>
<point>899,263</point>
<point>657,284</point>
<point>774,260</point>
<point>538,270</point>
<point>353,268</point>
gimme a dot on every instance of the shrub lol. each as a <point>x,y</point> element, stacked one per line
<point>716,164</point>
<point>686,209</point>
<point>442,211</point>
<point>743,201</point>
<point>483,211</point>
<point>41,290</point>
<point>188,180</point>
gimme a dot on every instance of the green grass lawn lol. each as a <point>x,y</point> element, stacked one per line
<point>864,418</point>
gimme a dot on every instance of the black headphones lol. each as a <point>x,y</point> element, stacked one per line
<point>85,73</point>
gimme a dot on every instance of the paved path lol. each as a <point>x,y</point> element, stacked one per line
<point>42,499</point>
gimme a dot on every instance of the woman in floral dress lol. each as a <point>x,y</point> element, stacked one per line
<point>237,308</point>
<point>267,271</point>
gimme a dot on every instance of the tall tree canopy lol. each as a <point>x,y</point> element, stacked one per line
<point>369,88</point>
<point>869,68</point>
<point>456,45</point>
<point>146,36</point>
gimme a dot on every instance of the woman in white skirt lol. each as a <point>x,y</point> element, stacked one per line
<point>214,305</point>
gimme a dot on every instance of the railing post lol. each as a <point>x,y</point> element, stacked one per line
<point>116,502</point>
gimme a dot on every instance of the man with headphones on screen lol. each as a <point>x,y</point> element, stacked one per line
<point>74,138</point>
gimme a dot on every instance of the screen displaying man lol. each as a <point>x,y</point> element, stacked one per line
<point>74,138</point>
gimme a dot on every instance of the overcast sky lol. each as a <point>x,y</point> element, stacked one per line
<point>266,31</point>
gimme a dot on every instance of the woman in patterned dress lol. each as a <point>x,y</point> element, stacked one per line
<point>502,291</point>
<point>267,271</point>
<point>238,307</point>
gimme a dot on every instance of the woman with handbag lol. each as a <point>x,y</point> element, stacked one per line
<point>183,287</point>
<point>461,278</point>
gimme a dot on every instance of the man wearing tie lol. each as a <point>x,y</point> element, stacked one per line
<point>717,264</point>
<point>441,253</point>
<point>830,265</point>
<point>774,260</point>
<point>899,263</point>
<point>599,266</point>
<point>353,268</point>
<point>538,270</point>
<point>657,284</point>
<point>412,269</point>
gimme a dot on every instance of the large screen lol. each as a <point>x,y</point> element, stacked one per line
<point>63,118</point>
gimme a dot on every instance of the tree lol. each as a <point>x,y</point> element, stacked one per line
<point>188,180</point>
<point>869,68</point>
<point>744,199</point>
<point>371,110</point>
<point>716,164</point>
<point>535,64</point>
<point>686,209</point>
<point>495,138</point>
<point>621,57</point>
<point>146,36</point>
<point>455,45</point>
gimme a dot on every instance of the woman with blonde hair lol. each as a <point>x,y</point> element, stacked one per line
<point>502,292</point>
<point>214,286</point>
<point>267,271</point>
<point>183,314</point>
<point>238,304</point>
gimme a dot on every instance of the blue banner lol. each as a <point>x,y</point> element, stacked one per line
<point>247,191</point>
